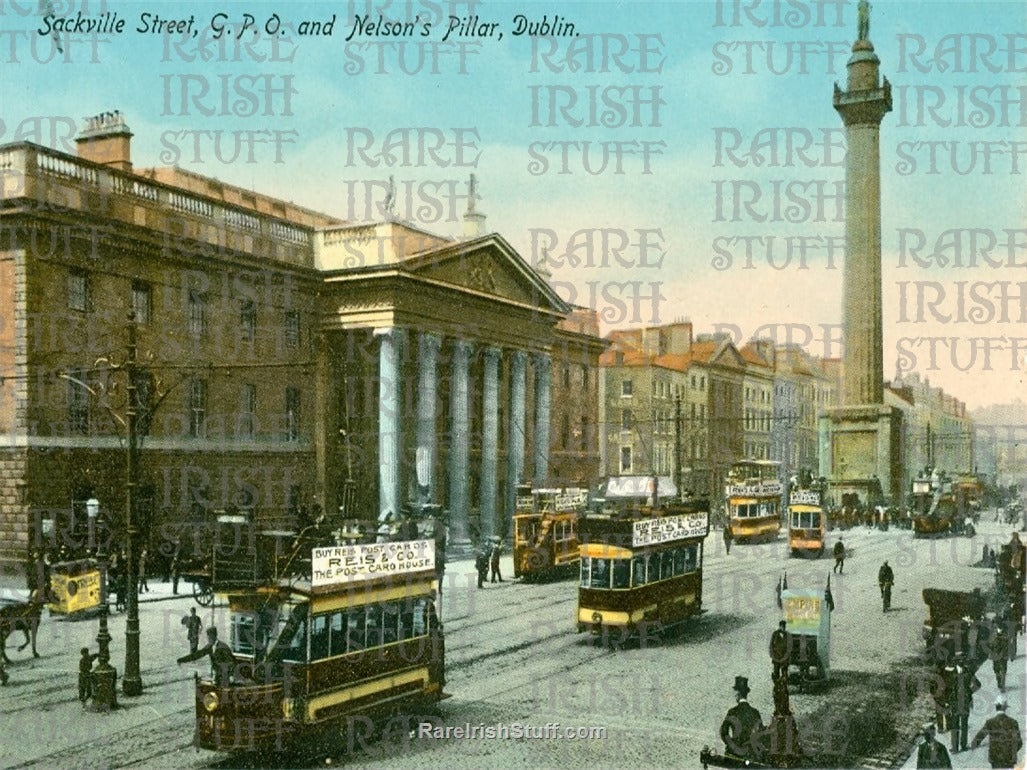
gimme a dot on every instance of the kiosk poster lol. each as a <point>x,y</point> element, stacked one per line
<point>357,271</point>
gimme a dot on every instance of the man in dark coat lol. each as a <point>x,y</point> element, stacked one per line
<point>728,537</point>
<point>780,647</point>
<point>85,675</point>
<point>192,624</point>
<point>932,752</point>
<point>743,725</point>
<point>1003,735</point>
<point>839,557</point>
<point>998,649</point>
<point>959,685</point>
<point>481,563</point>
<point>886,579</point>
<point>222,661</point>
<point>494,553</point>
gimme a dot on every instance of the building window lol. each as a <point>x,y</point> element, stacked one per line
<point>292,414</point>
<point>78,291</point>
<point>583,436</point>
<point>618,358</point>
<point>198,408</point>
<point>625,419</point>
<point>78,403</point>
<point>625,459</point>
<point>626,388</point>
<point>197,314</point>
<point>142,301</point>
<point>247,410</point>
<point>584,376</point>
<point>565,431</point>
<point>566,375</point>
<point>247,320</point>
<point>292,328</point>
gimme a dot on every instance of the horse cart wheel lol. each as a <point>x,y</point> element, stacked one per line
<point>203,593</point>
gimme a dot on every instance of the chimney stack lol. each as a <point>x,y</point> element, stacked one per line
<point>106,140</point>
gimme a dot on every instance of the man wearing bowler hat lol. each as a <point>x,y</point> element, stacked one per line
<point>742,728</point>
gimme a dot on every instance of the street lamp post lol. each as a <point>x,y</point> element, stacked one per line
<point>105,676</point>
<point>131,682</point>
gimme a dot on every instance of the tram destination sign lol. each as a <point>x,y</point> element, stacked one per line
<point>350,563</point>
<point>663,529</point>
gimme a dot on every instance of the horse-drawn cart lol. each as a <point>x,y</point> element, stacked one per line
<point>198,573</point>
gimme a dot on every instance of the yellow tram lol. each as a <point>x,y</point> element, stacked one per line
<point>546,530</point>
<point>641,568</point>
<point>807,525</point>
<point>753,493</point>
<point>359,637</point>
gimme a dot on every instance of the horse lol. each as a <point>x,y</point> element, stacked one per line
<point>19,615</point>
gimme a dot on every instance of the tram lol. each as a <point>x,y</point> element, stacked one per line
<point>807,522</point>
<point>753,493</point>
<point>641,568</point>
<point>356,637</point>
<point>546,531</point>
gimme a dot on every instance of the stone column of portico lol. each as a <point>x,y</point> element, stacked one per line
<point>489,443</point>
<point>542,394</point>
<point>427,380</point>
<point>390,341</point>
<point>515,435</point>
<point>459,446</point>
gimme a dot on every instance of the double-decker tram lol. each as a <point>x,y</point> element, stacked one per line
<point>934,506</point>
<point>753,493</point>
<point>546,531</point>
<point>807,521</point>
<point>356,637</point>
<point>641,568</point>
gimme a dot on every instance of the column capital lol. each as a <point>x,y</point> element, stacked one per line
<point>492,351</point>
<point>388,331</point>
<point>464,346</point>
<point>431,339</point>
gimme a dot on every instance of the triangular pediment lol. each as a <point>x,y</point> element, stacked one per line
<point>489,266</point>
<point>728,355</point>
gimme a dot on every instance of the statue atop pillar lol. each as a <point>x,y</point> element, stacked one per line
<point>863,20</point>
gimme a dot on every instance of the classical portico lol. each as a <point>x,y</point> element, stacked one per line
<point>438,354</point>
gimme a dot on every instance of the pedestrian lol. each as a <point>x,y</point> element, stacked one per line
<point>143,587</point>
<point>85,675</point>
<point>960,685</point>
<point>932,752</point>
<point>192,624</point>
<point>780,651</point>
<point>174,569</point>
<point>3,673</point>
<point>998,649</point>
<point>1003,735</point>
<point>885,579</point>
<point>497,549</point>
<point>728,537</point>
<point>742,728</point>
<point>839,557</point>
<point>222,661</point>
<point>481,563</point>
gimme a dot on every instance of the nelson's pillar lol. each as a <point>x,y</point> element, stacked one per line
<point>860,442</point>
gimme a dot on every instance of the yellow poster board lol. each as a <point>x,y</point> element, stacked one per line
<point>75,592</point>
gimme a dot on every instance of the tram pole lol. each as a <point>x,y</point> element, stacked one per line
<point>131,681</point>
<point>677,445</point>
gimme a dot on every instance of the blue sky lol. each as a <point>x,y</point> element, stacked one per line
<point>696,86</point>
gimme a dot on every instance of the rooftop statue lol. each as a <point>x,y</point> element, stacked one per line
<point>863,17</point>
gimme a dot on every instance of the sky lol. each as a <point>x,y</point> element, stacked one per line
<point>666,160</point>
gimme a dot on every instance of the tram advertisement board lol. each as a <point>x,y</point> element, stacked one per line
<point>663,529</point>
<point>754,490</point>
<point>804,497</point>
<point>350,563</point>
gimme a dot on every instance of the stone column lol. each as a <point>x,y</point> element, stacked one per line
<point>390,342</point>
<point>459,449</point>
<point>543,381</point>
<point>427,363</point>
<point>515,435</point>
<point>489,443</point>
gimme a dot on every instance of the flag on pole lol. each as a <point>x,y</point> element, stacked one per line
<point>784,585</point>
<point>779,605</point>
